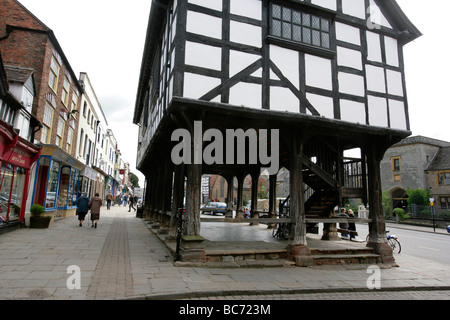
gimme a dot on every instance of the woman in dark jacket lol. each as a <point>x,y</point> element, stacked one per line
<point>82,208</point>
<point>95,204</point>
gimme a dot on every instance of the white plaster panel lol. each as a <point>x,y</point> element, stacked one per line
<point>282,99</point>
<point>394,82</point>
<point>318,72</point>
<point>247,95</point>
<point>378,114</point>
<point>377,17</point>
<point>349,58</point>
<point>240,60</point>
<point>397,115</point>
<point>391,45</point>
<point>205,56</point>
<point>351,84</point>
<point>353,111</point>
<point>324,105</point>
<point>373,47</point>
<point>355,8</point>
<point>288,62</point>
<point>347,33</point>
<point>212,4</point>
<point>249,8</point>
<point>375,79</point>
<point>196,86</point>
<point>204,24</point>
<point>329,4</point>
<point>246,34</point>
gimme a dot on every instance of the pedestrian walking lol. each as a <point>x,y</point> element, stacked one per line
<point>109,198</point>
<point>95,204</point>
<point>82,208</point>
<point>125,200</point>
<point>131,201</point>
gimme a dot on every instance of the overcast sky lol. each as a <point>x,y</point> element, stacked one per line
<point>105,38</point>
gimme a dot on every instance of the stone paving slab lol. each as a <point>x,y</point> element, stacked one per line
<point>122,259</point>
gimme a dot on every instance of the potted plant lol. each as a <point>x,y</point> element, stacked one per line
<point>37,219</point>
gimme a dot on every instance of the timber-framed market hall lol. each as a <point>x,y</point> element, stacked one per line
<point>306,82</point>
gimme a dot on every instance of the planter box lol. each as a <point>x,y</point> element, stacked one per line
<point>39,222</point>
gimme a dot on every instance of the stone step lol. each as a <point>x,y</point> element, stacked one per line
<point>345,259</point>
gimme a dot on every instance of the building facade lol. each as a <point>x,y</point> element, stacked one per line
<point>57,114</point>
<point>412,164</point>
<point>326,75</point>
<point>17,153</point>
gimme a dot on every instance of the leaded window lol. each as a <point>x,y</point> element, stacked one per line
<point>300,26</point>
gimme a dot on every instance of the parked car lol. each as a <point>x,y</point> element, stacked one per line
<point>214,207</point>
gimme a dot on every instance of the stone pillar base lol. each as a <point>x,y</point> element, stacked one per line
<point>192,249</point>
<point>384,250</point>
<point>301,254</point>
<point>330,232</point>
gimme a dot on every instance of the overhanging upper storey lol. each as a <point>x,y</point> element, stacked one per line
<point>337,59</point>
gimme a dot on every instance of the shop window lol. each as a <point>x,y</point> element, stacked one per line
<point>68,189</point>
<point>5,190</point>
<point>53,178</point>
<point>11,192</point>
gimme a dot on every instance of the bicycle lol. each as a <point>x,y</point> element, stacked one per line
<point>283,230</point>
<point>393,242</point>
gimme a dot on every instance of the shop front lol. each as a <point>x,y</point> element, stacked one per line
<point>57,179</point>
<point>17,157</point>
<point>87,182</point>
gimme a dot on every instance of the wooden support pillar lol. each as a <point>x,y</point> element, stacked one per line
<point>240,197</point>
<point>298,249</point>
<point>166,196</point>
<point>272,199</point>
<point>193,194</point>
<point>230,187</point>
<point>192,248</point>
<point>377,228</point>
<point>152,195</point>
<point>254,200</point>
<point>177,199</point>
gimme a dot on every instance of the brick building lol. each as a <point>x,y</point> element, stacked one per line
<point>26,42</point>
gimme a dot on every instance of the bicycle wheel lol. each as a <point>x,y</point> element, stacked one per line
<point>395,244</point>
<point>275,232</point>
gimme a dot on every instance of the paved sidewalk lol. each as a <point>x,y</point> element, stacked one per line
<point>122,259</point>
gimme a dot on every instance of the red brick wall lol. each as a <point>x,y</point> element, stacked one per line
<point>34,49</point>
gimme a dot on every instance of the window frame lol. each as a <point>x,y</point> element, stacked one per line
<point>65,94</point>
<point>303,9</point>
<point>54,85</point>
<point>47,122</point>
<point>60,132</point>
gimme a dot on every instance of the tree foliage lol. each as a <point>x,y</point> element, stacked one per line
<point>419,197</point>
<point>134,180</point>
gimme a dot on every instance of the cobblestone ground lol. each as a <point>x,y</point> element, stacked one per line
<point>389,295</point>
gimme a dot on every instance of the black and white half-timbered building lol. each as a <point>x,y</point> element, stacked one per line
<point>304,81</point>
